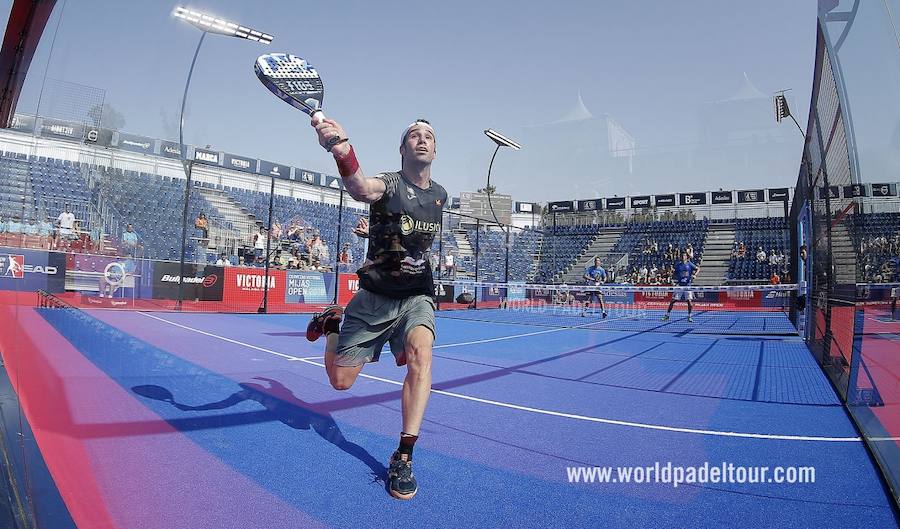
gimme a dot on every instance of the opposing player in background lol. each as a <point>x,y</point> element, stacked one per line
<point>684,275</point>
<point>394,302</point>
<point>594,275</point>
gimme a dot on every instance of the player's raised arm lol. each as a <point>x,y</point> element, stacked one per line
<point>333,138</point>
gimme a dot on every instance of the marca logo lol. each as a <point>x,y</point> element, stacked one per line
<point>207,157</point>
<point>253,281</point>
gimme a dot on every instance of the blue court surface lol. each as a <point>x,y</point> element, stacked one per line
<point>211,420</point>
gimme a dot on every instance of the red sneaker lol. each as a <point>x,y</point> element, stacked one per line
<point>317,325</point>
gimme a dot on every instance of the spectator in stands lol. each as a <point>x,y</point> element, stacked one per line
<point>202,224</point>
<point>276,231</point>
<point>259,243</point>
<point>775,279</point>
<point>761,255</point>
<point>773,258</point>
<point>223,260</point>
<point>742,250</point>
<point>344,259</point>
<point>690,251</point>
<point>14,226</point>
<point>130,241</point>
<point>65,224</point>
<point>450,264</point>
<point>803,253</point>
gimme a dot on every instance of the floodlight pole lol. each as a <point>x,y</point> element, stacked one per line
<point>206,24</point>
<point>501,141</point>
<point>188,166</point>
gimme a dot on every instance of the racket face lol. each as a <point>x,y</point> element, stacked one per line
<point>292,79</point>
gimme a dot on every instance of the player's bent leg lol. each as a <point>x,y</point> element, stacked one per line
<point>340,377</point>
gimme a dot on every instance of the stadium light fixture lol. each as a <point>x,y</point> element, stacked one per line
<point>501,140</point>
<point>219,26</point>
<point>782,110</point>
<point>207,24</point>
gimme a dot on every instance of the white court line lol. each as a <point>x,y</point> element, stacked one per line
<point>717,433</point>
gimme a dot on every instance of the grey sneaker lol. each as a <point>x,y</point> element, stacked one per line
<point>691,319</point>
<point>666,317</point>
<point>401,481</point>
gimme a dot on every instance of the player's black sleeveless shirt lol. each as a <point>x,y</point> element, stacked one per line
<point>402,226</point>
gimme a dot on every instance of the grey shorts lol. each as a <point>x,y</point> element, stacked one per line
<point>371,320</point>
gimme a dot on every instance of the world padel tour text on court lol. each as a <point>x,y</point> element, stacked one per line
<point>676,475</point>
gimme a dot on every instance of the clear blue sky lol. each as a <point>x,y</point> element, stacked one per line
<point>656,67</point>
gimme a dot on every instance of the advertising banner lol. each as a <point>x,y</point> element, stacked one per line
<point>665,200</point>
<point>30,270</point>
<point>204,283</point>
<point>615,203</point>
<point>239,163</point>
<point>722,197</point>
<point>244,286</point>
<point>349,285</point>
<point>61,130</point>
<point>308,287</point>
<point>564,206</point>
<point>135,143</point>
<point>699,199</point>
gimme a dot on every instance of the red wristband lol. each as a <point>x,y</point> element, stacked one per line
<point>347,164</point>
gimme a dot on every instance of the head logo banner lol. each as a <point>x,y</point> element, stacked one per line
<point>12,266</point>
<point>32,270</point>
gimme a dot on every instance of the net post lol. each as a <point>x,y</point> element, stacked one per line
<point>265,301</point>
<point>477,251</point>
<point>337,253</point>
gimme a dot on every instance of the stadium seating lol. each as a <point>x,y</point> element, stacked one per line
<point>766,234</point>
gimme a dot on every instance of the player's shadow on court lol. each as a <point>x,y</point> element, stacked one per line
<point>281,405</point>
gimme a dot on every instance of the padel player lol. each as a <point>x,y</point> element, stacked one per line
<point>594,275</point>
<point>685,271</point>
<point>394,303</point>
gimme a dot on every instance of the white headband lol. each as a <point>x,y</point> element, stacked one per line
<point>412,126</point>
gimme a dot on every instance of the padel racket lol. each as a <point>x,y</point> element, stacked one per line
<point>294,81</point>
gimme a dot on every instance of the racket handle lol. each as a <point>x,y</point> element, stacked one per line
<point>317,117</point>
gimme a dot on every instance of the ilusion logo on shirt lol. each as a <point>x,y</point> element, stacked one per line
<point>409,225</point>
